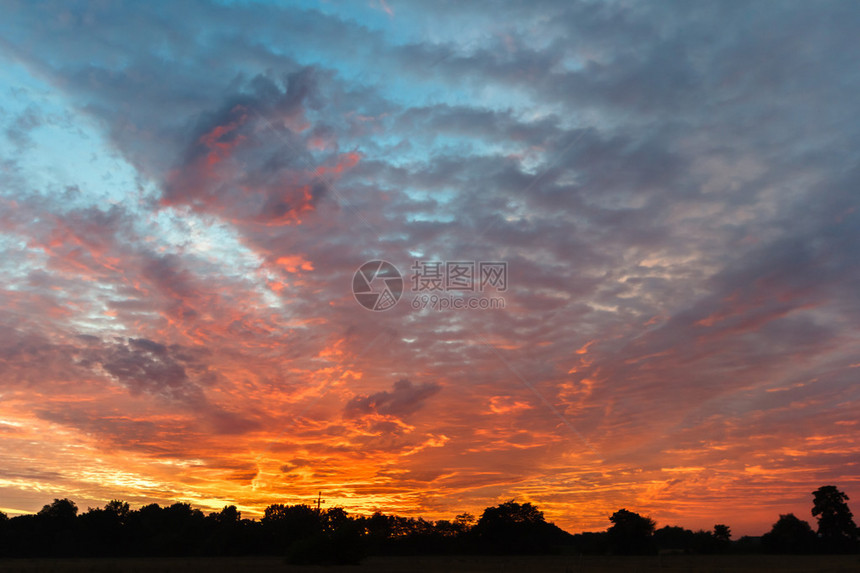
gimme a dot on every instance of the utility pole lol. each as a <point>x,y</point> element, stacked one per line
<point>320,501</point>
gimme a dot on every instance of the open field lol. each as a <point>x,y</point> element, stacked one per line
<point>456,564</point>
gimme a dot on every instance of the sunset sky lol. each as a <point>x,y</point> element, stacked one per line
<point>187,190</point>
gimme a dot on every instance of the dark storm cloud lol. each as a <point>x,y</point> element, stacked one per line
<point>145,366</point>
<point>248,160</point>
<point>142,366</point>
<point>176,377</point>
<point>172,373</point>
<point>403,399</point>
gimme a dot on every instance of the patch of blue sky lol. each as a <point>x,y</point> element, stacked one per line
<point>400,89</point>
<point>404,87</point>
<point>471,92</point>
<point>475,28</point>
<point>216,247</point>
<point>440,196</point>
<point>94,298</point>
<point>62,149</point>
<point>205,237</point>
<point>14,268</point>
<point>18,86</point>
<point>375,15</point>
<point>570,63</point>
<point>427,217</point>
<point>431,205</point>
<point>424,147</point>
<point>99,321</point>
<point>393,237</point>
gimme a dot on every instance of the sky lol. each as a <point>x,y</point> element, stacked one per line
<point>187,191</point>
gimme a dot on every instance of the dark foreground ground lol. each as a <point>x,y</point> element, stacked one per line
<point>449,564</point>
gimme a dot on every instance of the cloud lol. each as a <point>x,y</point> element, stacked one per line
<point>146,366</point>
<point>250,161</point>
<point>18,131</point>
<point>404,399</point>
<point>181,216</point>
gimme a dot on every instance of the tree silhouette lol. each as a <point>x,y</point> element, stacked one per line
<point>464,522</point>
<point>722,537</point>
<point>118,508</point>
<point>512,512</point>
<point>789,535</point>
<point>226,533</point>
<point>304,535</point>
<point>333,519</point>
<point>99,533</point>
<point>722,532</point>
<point>63,510</point>
<point>289,527</point>
<point>4,534</point>
<point>55,523</point>
<point>228,515</point>
<point>672,538</point>
<point>328,537</point>
<point>630,533</point>
<point>512,527</point>
<point>836,525</point>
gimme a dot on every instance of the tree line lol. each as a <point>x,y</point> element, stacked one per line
<point>311,535</point>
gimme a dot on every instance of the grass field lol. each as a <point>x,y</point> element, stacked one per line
<point>454,564</point>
